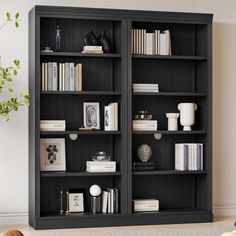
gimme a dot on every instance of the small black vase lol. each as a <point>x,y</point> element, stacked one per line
<point>104,42</point>
<point>90,39</point>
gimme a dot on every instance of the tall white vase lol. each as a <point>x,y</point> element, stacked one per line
<point>187,115</point>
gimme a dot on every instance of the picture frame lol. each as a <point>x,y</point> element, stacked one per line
<point>91,113</point>
<point>76,200</point>
<point>52,154</point>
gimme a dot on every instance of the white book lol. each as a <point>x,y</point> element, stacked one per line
<point>142,201</point>
<point>67,77</point>
<point>60,76</point>
<point>146,90</point>
<point>72,77</point>
<point>48,126</point>
<point>100,169</point>
<point>145,41</point>
<point>50,76</point>
<point>145,126</point>
<point>109,202</point>
<point>63,77</point>
<point>179,157</point>
<point>163,44</point>
<point>201,146</point>
<point>52,121</point>
<point>144,129</point>
<point>107,122</point>
<point>54,77</point>
<point>145,122</point>
<point>104,201</point>
<point>101,163</point>
<point>150,43</point>
<point>168,42</point>
<point>42,77</point>
<point>145,85</point>
<point>92,48</point>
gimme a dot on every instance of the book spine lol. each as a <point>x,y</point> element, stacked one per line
<point>145,41</point>
<point>63,77</point>
<point>55,77</point>
<point>179,157</point>
<point>60,76</point>
<point>163,46</point>
<point>104,202</point>
<point>72,77</point>
<point>107,118</point>
<point>67,77</point>
<point>185,157</point>
<point>43,77</point>
<point>116,208</point>
<point>50,76</point>
<point>80,71</point>
<point>109,202</point>
<point>201,147</point>
<point>198,157</point>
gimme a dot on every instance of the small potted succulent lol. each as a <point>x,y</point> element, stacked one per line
<point>12,103</point>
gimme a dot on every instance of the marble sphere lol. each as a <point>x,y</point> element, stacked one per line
<point>95,190</point>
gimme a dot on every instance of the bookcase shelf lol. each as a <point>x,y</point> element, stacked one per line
<point>77,54</point>
<point>184,76</point>
<point>174,57</point>
<point>169,172</point>
<point>75,174</point>
<point>90,93</point>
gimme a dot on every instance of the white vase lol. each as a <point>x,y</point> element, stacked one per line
<point>172,121</point>
<point>187,115</point>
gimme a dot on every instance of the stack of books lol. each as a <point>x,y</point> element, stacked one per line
<point>52,125</point>
<point>62,77</point>
<point>151,43</point>
<point>100,166</point>
<point>111,117</point>
<point>147,88</point>
<point>143,166</point>
<point>92,49</point>
<point>141,205</point>
<point>110,200</point>
<point>144,125</point>
<point>189,156</point>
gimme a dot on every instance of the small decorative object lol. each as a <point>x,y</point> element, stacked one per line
<point>187,115</point>
<point>101,156</point>
<point>76,200</point>
<point>67,203</point>
<point>95,191</point>
<point>104,42</point>
<point>142,115</point>
<point>47,49</point>
<point>144,152</point>
<point>172,121</point>
<point>91,115</point>
<point>61,203</point>
<point>52,154</point>
<point>90,39</point>
<point>58,38</point>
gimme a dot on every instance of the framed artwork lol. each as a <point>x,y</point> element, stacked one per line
<point>91,115</point>
<point>52,154</point>
<point>76,200</point>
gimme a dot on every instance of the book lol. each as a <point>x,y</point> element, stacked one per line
<point>104,201</point>
<point>54,77</point>
<point>116,198</point>
<point>100,166</point>
<point>108,202</point>
<point>111,201</point>
<point>72,77</point>
<point>93,51</point>
<point>89,48</point>
<point>78,77</point>
<point>146,205</point>
<point>111,117</point>
<point>50,76</point>
<point>140,168</point>
<point>142,163</point>
<point>43,77</point>
<point>67,77</point>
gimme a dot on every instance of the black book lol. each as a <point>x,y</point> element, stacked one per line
<point>139,163</point>
<point>138,168</point>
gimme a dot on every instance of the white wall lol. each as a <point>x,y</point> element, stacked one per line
<point>14,134</point>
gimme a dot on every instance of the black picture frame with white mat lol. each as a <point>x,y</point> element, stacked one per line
<point>91,112</point>
<point>52,154</point>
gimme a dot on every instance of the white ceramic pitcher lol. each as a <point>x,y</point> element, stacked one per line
<point>187,115</point>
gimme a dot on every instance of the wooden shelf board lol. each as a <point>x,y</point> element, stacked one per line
<point>81,92</point>
<point>80,132</point>
<point>174,57</point>
<point>171,132</point>
<point>187,94</point>
<point>78,54</point>
<point>169,172</point>
<point>74,174</point>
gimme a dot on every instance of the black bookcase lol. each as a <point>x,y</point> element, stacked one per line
<point>185,196</point>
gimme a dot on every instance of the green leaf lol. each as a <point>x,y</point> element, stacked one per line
<point>8,16</point>
<point>17,15</point>
<point>15,72</point>
<point>17,62</point>
<point>17,24</point>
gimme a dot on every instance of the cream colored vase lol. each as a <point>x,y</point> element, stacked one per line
<point>187,115</point>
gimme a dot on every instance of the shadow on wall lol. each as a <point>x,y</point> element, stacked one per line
<point>224,115</point>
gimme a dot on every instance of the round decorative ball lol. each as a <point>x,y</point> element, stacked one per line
<point>144,152</point>
<point>12,233</point>
<point>95,190</point>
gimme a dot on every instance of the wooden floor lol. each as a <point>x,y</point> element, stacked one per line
<point>220,225</point>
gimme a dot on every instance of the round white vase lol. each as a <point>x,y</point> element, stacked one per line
<point>187,115</point>
<point>172,121</point>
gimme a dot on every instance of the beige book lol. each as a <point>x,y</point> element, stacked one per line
<point>63,77</point>
<point>43,77</point>
<point>46,76</point>
<point>78,78</point>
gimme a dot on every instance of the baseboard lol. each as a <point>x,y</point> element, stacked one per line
<point>224,209</point>
<point>11,218</point>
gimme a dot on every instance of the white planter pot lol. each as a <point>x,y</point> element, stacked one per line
<point>172,121</point>
<point>187,115</point>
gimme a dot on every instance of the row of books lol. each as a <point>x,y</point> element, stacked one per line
<point>63,76</point>
<point>100,166</point>
<point>189,156</point>
<point>52,125</point>
<point>151,43</point>
<point>144,125</point>
<point>146,88</point>
<point>142,205</point>
<point>111,117</point>
<point>110,200</point>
